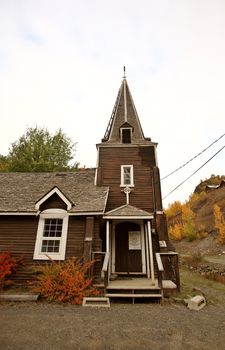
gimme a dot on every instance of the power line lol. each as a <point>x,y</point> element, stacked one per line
<point>194,172</point>
<point>205,149</point>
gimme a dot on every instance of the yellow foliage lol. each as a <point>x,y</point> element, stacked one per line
<point>176,232</point>
<point>187,213</point>
<point>173,209</point>
<point>219,223</point>
<point>181,221</point>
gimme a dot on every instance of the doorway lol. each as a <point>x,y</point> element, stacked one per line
<point>129,248</point>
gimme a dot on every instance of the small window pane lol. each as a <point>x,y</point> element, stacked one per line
<point>53,228</point>
<point>127,175</point>
<point>50,246</point>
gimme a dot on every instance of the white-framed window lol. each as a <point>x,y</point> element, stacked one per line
<point>127,175</point>
<point>51,235</point>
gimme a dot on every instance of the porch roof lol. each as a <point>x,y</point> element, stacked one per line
<point>128,211</point>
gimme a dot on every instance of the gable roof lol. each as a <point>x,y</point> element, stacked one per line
<point>20,191</point>
<point>124,112</point>
<point>60,194</point>
<point>128,211</point>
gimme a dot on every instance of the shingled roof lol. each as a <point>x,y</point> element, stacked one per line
<point>20,191</point>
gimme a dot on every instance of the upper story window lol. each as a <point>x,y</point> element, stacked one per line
<point>51,235</point>
<point>127,175</point>
<point>126,135</point>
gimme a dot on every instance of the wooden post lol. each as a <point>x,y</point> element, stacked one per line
<point>108,249</point>
<point>107,236</point>
<point>147,251</point>
<point>151,252</point>
<point>88,238</point>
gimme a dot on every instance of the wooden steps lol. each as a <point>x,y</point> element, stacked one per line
<point>133,295</point>
<point>135,288</point>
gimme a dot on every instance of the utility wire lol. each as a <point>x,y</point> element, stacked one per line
<point>194,172</point>
<point>192,158</point>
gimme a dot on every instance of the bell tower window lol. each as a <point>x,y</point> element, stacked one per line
<point>126,135</point>
<point>127,175</point>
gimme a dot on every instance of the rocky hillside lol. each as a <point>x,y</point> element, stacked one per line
<point>196,217</point>
<point>203,208</point>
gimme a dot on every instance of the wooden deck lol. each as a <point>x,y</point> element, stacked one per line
<point>139,283</point>
<point>132,283</point>
<point>133,288</point>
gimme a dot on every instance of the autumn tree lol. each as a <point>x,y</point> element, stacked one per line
<point>188,220</point>
<point>37,150</point>
<point>181,221</point>
<point>176,232</point>
<point>219,223</point>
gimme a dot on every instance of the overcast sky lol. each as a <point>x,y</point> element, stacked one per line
<point>61,65</point>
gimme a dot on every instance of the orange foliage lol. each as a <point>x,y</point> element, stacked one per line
<point>65,281</point>
<point>8,266</point>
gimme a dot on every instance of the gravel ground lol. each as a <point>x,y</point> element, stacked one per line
<point>46,326</point>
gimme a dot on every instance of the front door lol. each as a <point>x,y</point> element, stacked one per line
<point>128,248</point>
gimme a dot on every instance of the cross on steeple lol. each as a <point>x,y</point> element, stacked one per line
<point>124,72</point>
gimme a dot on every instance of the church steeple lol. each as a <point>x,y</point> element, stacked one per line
<point>124,125</point>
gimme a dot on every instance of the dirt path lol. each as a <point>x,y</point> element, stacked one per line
<point>45,326</point>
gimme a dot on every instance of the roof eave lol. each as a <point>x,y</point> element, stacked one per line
<point>128,217</point>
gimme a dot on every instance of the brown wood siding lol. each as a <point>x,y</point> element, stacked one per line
<point>157,186</point>
<point>75,237</point>
<point>18,235</point>
<point>54,202</point>
<point>143,161</point>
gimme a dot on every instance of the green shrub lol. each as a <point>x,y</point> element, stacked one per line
<point>190,230</point>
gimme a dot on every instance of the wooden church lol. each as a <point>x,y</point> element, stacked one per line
<point>112,214</point>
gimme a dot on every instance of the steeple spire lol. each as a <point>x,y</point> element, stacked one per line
<point>124,118</point>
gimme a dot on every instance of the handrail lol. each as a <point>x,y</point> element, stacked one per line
<point>173,274</point>
<point>160,270</point>
<point>105,270</point>
<point>105,263</point>
<point>159,262</point>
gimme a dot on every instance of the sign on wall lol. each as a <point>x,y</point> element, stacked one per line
<point>134,240</point>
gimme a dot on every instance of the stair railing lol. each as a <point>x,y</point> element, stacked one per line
<point>105,270</point>
<point>170,262</point>
<point>160,269</point>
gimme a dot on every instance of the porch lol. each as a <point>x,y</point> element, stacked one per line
<point>164,284</point>
<point>134,264</point>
